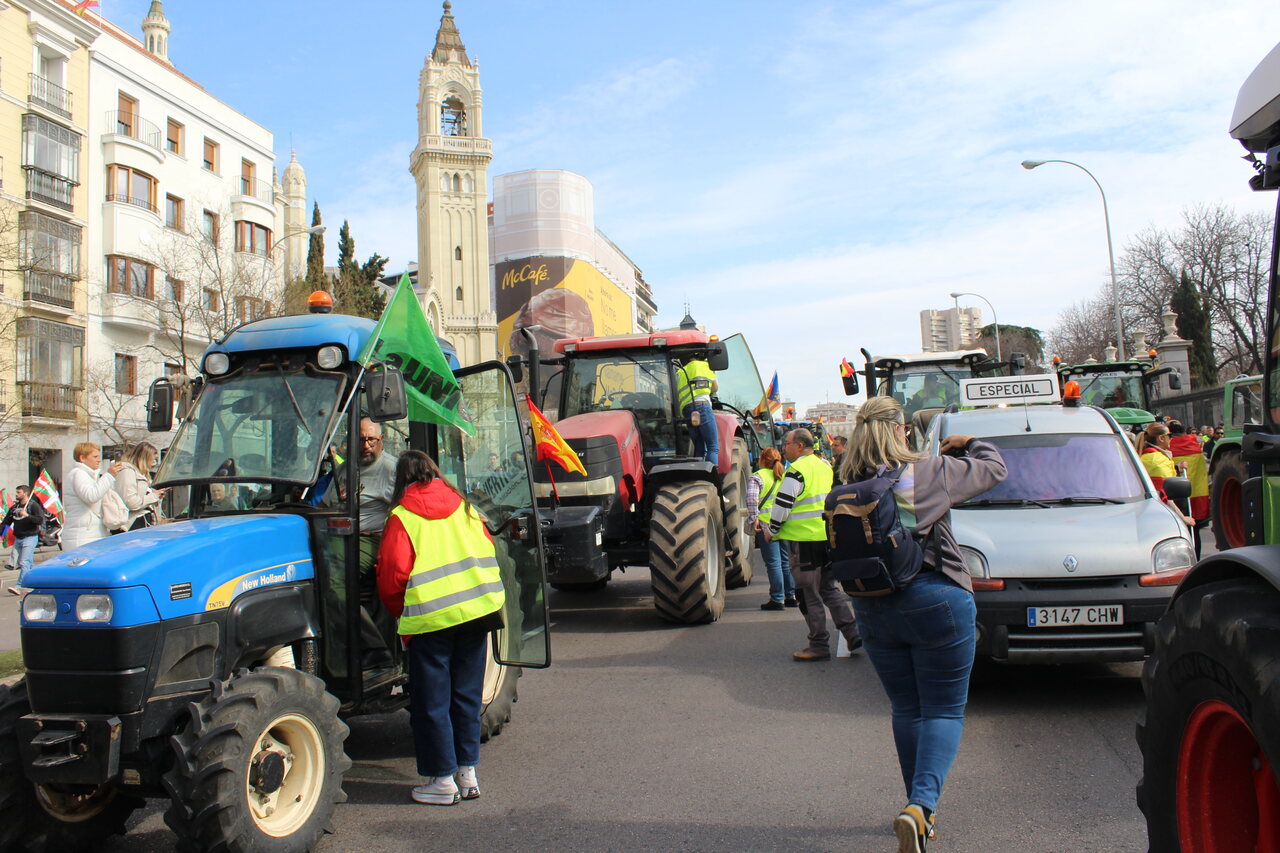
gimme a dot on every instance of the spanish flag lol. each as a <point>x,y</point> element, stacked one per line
<point>549,445</point>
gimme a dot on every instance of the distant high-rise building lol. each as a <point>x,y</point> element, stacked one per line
<point>949,329</point>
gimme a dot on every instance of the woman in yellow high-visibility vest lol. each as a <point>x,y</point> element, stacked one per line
<point>438,572</point>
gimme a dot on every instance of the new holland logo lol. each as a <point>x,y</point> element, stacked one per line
<point>1071,563</point>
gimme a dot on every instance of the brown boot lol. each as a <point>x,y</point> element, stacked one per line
<point>808,655</point>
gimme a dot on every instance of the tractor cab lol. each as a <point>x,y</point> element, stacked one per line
<point>924,383</point>
<point>1122,387</point>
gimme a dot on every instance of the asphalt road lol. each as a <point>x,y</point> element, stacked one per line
<point>647,737</point>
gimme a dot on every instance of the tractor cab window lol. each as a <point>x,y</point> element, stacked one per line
<point>925,387</point>
<point>1111,390</point>
<point>641,384</point>
<point>1246,405</point>
<point>265,426</point>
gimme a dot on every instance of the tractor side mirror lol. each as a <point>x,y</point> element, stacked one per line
<point>160,406</point>
<point>384,395</point>
<point>516,365</point>
<point>1017,363</point>
<point>717,356</point>
<point>1175,381</point>
<point>850,383</point>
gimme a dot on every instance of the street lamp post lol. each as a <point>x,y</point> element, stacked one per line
<point>314,229</point>
<point>1111,255</point>
<point>994,320</point>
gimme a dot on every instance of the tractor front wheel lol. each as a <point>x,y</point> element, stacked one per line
<point>741,537</point>
<point>686,553</point>
<point>258,766</point>
<point>1210,738</point>
<point>51,817</point>
<point>1226,507</point>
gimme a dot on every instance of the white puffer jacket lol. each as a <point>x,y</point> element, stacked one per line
<point>82,503</point>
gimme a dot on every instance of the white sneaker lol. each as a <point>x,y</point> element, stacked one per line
<point>466,777</point>
<point>438,791</point>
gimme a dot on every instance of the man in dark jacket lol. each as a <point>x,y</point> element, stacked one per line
<point>27,517</point>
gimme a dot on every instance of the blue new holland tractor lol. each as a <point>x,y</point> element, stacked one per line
<point>210,661</point>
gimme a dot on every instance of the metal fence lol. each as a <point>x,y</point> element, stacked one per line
<point>1195,408</point>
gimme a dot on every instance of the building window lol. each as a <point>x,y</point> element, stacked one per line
<point>172,369</point>
<point>457,183</point>
<point>131,276</point>
<point>174,288</point>
<point>174,137</point>
<point>128,185</point>
<point>457,253</point>
<point>127,116</point>
<point>210,154</point>
<point>49,367</point>
<point>126,374</point>
<point>210,226</point>
<point>49,244</point>
<point>457,294</point>
<point>251,308</point>
<point>211,300</point>
<point>252,237</point>
<point>173,212</point>
<point>51,158</point>
<point>453,117</point>
<point>248,172</point>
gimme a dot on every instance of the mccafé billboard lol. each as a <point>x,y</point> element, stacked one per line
<point>566,297</point>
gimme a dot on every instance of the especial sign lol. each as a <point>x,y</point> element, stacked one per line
<point>991,391</point>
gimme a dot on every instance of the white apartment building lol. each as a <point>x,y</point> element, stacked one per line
<point>949,329</point>
<point>187,224</point>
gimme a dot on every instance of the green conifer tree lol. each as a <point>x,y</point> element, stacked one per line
<point>356,290</point>
<point>1193,325</point>
<point>315,255</point>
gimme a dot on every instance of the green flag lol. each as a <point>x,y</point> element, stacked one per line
<point>404,339</point>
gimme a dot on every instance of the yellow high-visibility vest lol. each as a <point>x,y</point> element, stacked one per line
<point>455,576</point>
<point>805,524</point>
<point>768,491</point>
<point>693,379</point>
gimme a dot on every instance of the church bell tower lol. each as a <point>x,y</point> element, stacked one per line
<point>450,166</point>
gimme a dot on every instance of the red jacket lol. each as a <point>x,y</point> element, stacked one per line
<point>434,500</point>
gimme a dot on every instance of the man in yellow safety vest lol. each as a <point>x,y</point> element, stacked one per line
<point>796,520</point>
<point>695,383</point>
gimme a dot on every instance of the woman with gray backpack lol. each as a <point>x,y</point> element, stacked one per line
<point>910,589</point>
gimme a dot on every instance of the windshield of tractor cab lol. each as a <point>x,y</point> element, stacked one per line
<point>1111,390</point>
<point>264,426</point>
<point>925,387</point>
<point>612,380</point>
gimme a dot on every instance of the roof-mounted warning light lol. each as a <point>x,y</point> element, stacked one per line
<point>1071,394</point>
<point>1057,359</point>
<point>1151,353</point>
<point>320,302</point>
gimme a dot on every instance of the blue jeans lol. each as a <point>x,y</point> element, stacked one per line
<point>777,563</point>
<point>706,438</point>
<point>446,680</point>
<point>26,551</point>
<point>921,642</point>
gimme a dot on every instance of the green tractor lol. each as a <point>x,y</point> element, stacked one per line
<point>1123,388</point>
<point>210,662</point>
<point>1210,737</point>
<point>1241,408</point>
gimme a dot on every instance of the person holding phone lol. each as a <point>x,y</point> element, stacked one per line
<point>82,501</point>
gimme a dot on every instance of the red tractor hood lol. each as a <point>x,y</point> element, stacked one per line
<point>620,428</point>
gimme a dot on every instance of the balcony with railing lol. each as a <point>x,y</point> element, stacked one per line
<point>49,188</point>
<point>51,288</point>
<point>47,400</point>
<point>136,201</point>
<point>133,126</point>
<point>45,93</point>
<point>258,195</point>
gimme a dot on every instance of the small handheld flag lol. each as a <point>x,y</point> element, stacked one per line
<point>47,493</point>
<point>83,6</point>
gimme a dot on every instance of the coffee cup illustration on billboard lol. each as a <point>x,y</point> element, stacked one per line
<point>558,312</point>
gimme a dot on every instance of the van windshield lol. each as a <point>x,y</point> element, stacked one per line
<point>1052,467</point>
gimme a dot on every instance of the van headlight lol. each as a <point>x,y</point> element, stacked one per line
<point>974,562</point>
<point>94,608</point>
<point>1171,555</point>
<point>38,607</point>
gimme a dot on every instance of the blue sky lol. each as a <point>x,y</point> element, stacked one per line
<point>809,173</point>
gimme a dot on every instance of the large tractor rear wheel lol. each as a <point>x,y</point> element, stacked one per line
<point>686,553</point>
<point>1225,506</point>
<point>1210,738</point>
<point>258,766</point>
<point>50,817</point>
<point>741,538</point>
